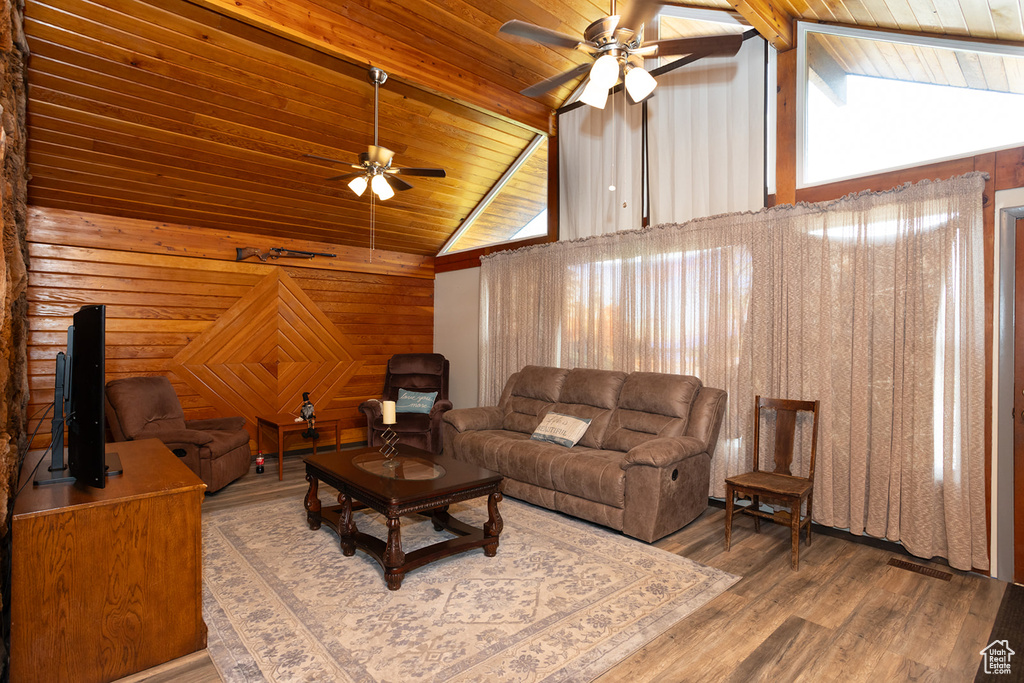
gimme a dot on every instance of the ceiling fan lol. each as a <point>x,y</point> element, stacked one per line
<point>616,44</point>
<point>374,167</point>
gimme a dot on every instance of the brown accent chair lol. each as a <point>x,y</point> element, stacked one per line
<point>147,408</point>
<point>781,486</point>
<point>419,372</point>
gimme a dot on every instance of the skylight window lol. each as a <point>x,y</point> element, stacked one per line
<point>873,102</point>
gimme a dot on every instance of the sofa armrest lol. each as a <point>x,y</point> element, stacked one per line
<point>663,452</point>
<point>439,408</point>
<point>175,437</point>
<point>229,424</point>
<point>371,408</point>
<point>475,419</point>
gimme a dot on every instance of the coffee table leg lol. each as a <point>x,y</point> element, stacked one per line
<point>437,515</point>
<point>494,525</point>
<point>393,555</point>
<point>312,503</point>
<point>347,532</point>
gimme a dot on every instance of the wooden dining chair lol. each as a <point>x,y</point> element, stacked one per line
<point>779,487</point>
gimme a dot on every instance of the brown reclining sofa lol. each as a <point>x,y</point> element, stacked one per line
<point>642,467</point>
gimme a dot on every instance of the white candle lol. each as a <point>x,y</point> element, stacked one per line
<point>388,410</point>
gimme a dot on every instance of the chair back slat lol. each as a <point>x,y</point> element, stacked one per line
<point>786,411</point>
<point>785,432</point>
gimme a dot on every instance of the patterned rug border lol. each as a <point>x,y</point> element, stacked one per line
<point>236,661</point>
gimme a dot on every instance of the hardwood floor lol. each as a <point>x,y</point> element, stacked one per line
<point>847,615</point>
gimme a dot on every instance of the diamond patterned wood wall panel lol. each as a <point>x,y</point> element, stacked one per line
<point>237,338</point>
<point>266,350</point>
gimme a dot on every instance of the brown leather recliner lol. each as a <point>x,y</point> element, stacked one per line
<point>147,408</point>
<point>419,372</point>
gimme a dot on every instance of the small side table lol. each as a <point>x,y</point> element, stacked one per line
<point>284,423</point>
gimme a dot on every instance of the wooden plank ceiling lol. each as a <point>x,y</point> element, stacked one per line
<point>200,112</point>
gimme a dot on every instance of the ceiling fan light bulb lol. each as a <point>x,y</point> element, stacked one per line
<point>381,188</point>
<point>594,95</point>
<point>639,83</point>
<point>358,185</point>
<point>605,71</point>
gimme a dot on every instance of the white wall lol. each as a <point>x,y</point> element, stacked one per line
<point>457,332</point>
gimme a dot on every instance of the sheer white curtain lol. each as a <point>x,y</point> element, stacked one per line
<point>706,133</point>
<point>706,147</point>
<point>872,304</point>
<point>598,149</point>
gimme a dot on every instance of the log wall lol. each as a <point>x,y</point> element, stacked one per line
<point>234,337</point>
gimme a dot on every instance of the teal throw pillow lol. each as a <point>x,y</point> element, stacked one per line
<point>414,401</point>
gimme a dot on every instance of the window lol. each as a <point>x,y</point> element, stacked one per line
<point>873,101</point>
<point>515,209</point>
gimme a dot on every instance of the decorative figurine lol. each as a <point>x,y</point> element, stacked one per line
<point>308,413</point>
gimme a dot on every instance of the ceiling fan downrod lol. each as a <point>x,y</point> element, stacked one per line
<point>378,78</point>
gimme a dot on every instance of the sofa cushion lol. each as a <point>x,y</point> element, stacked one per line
<point>592,474</point>
<point>535,392</point>
<point>591,395</point>
<point>650,405</point>
<point>599,388</point>
<point>487,447</point>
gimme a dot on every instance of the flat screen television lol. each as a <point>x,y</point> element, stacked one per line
<point>78,403</point>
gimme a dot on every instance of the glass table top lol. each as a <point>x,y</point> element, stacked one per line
<point>405,466</point>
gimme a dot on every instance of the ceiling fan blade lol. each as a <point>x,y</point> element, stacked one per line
<point>426,172</point>
<point>555,81</point>
<point>538,34</point>
<point>344,176</point>
<point>638,13</point>
<point>333,161</point>
<point>396,183</point>
<point>726,45</point>
<point>379,155</point>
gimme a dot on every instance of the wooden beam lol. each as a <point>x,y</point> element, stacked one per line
<point>773,22</point>
<point>335,34</point>
<point>785,135</point>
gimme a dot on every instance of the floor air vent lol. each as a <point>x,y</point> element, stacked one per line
<point>920,569</point>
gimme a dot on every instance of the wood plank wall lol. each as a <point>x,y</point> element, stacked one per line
<point>166,285</point>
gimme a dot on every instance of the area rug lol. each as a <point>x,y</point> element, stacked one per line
<point>563,600</point>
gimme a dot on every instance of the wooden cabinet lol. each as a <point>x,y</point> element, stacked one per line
<point>108,582</point>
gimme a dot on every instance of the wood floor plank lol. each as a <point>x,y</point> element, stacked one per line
<point>935,621</point>
<point>790,649</point>
<point>974,634</point>
<point>892,667</point>
<point>846,615</point>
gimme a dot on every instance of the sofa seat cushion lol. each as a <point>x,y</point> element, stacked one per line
<point>587,473</point>
<point>591,474</point>
<point>224,441</point>
<point>487,447</point>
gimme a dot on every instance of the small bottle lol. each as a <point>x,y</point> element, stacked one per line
<point>259,463</point>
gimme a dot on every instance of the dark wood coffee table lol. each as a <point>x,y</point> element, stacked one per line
<point>420,483</point>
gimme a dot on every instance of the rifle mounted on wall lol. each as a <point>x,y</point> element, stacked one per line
<point>242,253</point>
